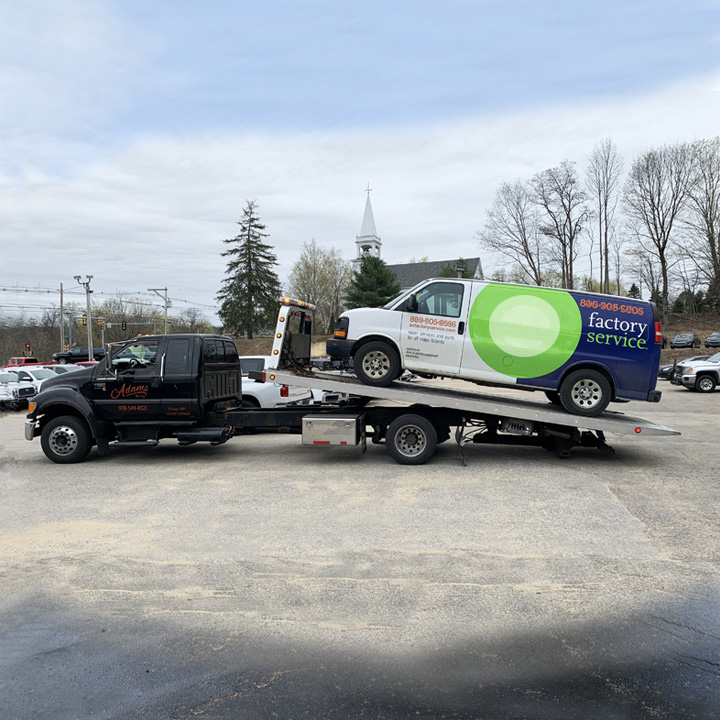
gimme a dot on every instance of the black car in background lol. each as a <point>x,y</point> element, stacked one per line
<point>685,340</point>
<point>713,340</point>
<point>77,354</point>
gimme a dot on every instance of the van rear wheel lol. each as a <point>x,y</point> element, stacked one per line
<point>377,364</point>
<point>585,392</point>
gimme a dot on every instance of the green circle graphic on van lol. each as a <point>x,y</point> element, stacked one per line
<point>524,332</point>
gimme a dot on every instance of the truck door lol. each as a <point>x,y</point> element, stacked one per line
<point>431,337</point>
<point>179,382</point>
<point>133,391</point>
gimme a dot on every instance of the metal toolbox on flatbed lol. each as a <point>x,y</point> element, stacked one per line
<point>336,430</point>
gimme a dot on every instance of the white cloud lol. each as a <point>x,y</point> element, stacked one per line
<point>155,213</point>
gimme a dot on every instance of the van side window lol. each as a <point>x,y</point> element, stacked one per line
<point>177,356</point>
<point>441,298</point>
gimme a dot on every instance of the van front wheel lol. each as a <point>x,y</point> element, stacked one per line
<point>377,364</point>
<point>585,392</point>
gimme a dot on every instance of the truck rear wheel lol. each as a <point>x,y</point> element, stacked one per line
<point>411,440</point>
<point>66,439</point>
<point>585,392</point>
<point>377,364</point>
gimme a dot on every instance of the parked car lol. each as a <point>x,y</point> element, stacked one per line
<point>685,340</point>
<point>36,376</point>
<point>14,362</point>
<point>62,369</point>
<point>666,371</point>
<point>268,395</point>
<point>77,354</point>
<point>13,393</point>
<point>712,340</point>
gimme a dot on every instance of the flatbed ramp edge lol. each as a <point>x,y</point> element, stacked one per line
<point>480,403</point>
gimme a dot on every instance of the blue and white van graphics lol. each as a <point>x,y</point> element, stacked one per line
<point>582,349</point>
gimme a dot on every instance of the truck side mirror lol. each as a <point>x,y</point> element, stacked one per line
<point>412,304</point>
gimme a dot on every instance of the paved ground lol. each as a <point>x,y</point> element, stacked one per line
<point>263,579</point>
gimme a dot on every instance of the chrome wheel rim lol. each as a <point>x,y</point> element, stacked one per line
<point>410,440</point>
<point>63,440</point>
<point>586,394</point>
<point>376,364</point>
<point>705,383</point>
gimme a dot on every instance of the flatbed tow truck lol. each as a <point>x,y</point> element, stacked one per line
<point>422,415</point>
<point>188,387</point>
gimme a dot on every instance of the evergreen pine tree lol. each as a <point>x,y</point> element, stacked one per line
<point>373,285</point>
<point>250,292</point>
<point>634,291</point>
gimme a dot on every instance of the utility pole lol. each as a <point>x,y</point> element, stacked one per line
<point>165,299</point>
<point>88,291</point>
<point>62,320</point>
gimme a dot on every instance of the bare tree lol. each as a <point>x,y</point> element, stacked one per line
<point>603,183</point>
<point>655,193</point>
<point>564,212</point>
<point>511,229</point>
<point>703,217</point>
<point>321,277</point>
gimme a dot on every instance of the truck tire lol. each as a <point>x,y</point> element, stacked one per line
<point>377,364</point>
<point>62,361</point>
<point>66,439</point>
<point>705,384</point>
<point>411,440</point>
<point>585,392</point>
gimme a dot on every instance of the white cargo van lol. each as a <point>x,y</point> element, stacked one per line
<point>582,349</point>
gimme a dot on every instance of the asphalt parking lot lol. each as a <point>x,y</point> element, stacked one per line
<point>264,579</point>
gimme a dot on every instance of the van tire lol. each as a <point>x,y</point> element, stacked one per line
<point>411,439</point>
<point>377,364</point>
<point>66,439</point>
<point>585,392</point>
<point>705,384</point>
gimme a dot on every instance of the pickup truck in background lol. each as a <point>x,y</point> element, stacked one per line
<point>77,354</point>
<point>16,362</point>
<point>700,375</point>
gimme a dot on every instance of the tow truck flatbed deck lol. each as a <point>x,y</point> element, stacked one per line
<point>470,401</point>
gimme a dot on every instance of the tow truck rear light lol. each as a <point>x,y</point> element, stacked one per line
<point>658,332</point>
<point>285,391</point>
<point>299,303</point>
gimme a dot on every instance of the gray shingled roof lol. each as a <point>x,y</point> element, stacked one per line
<point>409,274</point>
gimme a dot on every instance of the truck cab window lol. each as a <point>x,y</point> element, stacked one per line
<point>177,356</point>
<point>441,298</point>
<point>137,358</point>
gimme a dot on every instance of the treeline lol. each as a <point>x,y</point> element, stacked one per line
<point>43,334</point>
<point>656,226</point>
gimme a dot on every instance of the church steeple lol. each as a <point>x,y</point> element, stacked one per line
<point>367,242</point>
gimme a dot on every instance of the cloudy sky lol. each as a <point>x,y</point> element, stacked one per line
<point>133,131</point>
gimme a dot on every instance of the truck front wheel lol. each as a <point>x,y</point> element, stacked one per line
<point>377,364</point>
<point>585,392</point>
<point>411,440</point>
<point>66,439</point>
<point>705,384</point>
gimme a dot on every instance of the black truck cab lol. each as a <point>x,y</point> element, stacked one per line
<point>146,389</point>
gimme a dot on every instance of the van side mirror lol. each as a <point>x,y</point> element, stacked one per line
<point>411,304</point>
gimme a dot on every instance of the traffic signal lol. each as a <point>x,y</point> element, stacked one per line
<point>124,325</point>
<point>83,320</point>
<point>101,322</point>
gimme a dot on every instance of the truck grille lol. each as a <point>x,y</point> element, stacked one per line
<point>26,392</point>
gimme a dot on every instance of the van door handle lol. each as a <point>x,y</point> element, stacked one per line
<point>461,328</point>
